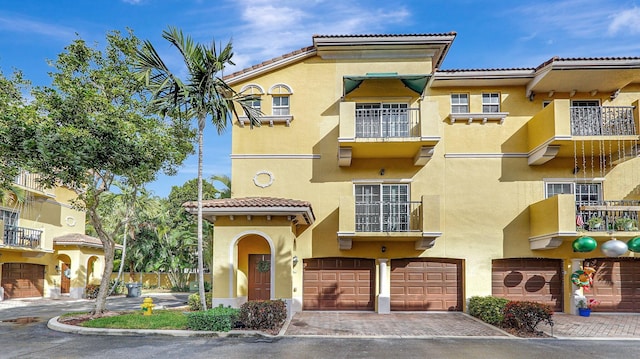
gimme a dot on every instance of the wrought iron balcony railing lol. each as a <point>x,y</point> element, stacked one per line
<point>387,123</point>
<point>21,237</point>
<point>602,121</point>
<point>607,216</point>
<point>388,216</point>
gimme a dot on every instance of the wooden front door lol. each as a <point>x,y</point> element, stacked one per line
<point>65,280</point>
<point>259,277</point>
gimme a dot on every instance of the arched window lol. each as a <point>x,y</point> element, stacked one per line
<point>257,91</point>
<point>280,94</point>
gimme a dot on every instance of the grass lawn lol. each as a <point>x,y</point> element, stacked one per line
<point>160,319</point>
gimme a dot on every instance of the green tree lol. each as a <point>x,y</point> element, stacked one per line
<point>201,95</point>
<point>14,111</point>
<point>92,129</point>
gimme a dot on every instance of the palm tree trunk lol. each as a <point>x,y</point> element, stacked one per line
<point>203,301</point>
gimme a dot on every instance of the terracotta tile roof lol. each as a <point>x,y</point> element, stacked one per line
<point>390,35</point>
<point>248,202</point>
<point>490,69</point>
<point>559,59</point>
<point>269,62</point>
<point>79,239</point>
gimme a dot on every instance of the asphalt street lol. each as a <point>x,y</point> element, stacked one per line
<point>32,339</point>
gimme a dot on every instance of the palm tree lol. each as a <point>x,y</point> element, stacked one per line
<point>200,95</point>
<point>12,195</point>
<point>226,181</point>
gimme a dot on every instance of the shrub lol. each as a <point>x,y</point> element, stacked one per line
<point>194,301</point>
<point>488,309</point>
<point>267,314</point>
<point>180,289</point>
<point>91,291</point>
<point>218,319</point>
<point>119,289</point>
<point>526,315</point>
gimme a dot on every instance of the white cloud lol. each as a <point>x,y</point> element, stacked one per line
<point>13,23</point>
<point>625,20</point>
<point>269,30</point>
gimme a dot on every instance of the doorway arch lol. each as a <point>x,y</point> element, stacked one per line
<point>249,253</point>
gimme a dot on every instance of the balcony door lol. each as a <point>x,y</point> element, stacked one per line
<point>382,208</point>
<point>382,120</point>
<point>586,119</point>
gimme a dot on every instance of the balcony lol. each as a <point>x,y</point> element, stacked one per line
<point>561,130</point>
<point>559,218</point>
<point>21,237</point>
<point>389,221</point>
<point>387,133</point>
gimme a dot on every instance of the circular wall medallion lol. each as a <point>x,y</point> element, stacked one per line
<point>70,221</point>
<point>263,179</point>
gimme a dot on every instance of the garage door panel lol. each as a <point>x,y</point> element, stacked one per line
<point>426,284</point>
<point>531,279</point>
<point>346,284</point>
<point>22,280</point>
<point>616,284</point>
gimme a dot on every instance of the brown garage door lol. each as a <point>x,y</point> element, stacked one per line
<point>426,284</point>
<point>338,284</point>
<point>21,280</point>
<point>528,279</point>
<point>616,284</point>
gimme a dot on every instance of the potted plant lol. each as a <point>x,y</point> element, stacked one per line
<point>585,305</point>
<point>625,224</point>
<point>595,222</point>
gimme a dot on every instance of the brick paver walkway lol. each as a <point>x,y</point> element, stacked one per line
<point>597,325</point>
<point>353,324</point>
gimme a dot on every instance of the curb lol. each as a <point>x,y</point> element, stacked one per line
<point>54,324</point>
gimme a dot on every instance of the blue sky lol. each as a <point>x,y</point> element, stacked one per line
<point>491,34</point>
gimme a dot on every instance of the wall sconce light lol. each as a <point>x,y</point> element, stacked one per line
<point>576,170</point>
<point>531,96</point>
<point>614,94</point>
<point>294,260</point>
<point>57,268</point>
<point>382,172</point>
<point>383,249</point>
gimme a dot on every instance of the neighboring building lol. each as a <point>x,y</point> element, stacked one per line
<point>43,250</point>
<point>380,182</point>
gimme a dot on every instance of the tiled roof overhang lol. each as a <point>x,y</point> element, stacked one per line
<point>80,240</point>
<point>255,206</point>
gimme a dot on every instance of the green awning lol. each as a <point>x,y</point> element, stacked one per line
<point>416,83</point>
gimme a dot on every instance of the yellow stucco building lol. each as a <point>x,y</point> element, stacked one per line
<point>380,182</point>
<point>44,251</point>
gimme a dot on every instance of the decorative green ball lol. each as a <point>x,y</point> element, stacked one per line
<point>586,244</point>
<point>634,244</point>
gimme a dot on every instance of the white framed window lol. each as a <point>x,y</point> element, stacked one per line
<point>585,193</point>
<point>10,218</point>
<point>257,92</point>
<point>490,102</point>
<point>281,104</point>
<point>459,103</point>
